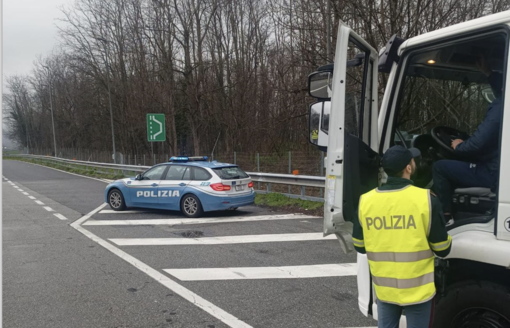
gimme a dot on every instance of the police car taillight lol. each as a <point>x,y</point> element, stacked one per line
<point>250,185</point>
<point>220,187</point>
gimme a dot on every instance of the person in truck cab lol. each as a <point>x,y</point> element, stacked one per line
<point>483,145</point>
<point>400,227</point>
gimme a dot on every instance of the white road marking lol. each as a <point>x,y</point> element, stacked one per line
<point>199,221</point>
<point>11,183</point>
<point>32,197</point>
<point>15,186</point>
<point>26,193</point>
<point>47,208</point>
<point>21,190</point>
<point>180,290</point>
<point>60,216</point>
<point>121,212</point>
<point>39,202</point>
<point>221,240</point>
<point>284,272</point>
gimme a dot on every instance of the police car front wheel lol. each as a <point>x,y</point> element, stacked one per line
<point>191,206</point>
<point>116,200</point>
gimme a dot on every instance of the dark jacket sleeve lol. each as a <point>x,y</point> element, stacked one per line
<point>357,235</point>
<point>439,240</point>
<point>486,135</point>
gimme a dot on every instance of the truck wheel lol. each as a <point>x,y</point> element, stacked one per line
<point>191,206</point>
<point>473,304</point>
<point>116,200</point>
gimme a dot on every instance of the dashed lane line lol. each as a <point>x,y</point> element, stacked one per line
<point>249,273</point>
<point>49,209</point>
<point>21,190</point>
<point>32,197</point>
<point>199,221</point>
<point>26,193</point>
<point>248,239</point>
<point>60,216</point>
<point>178,289</point>
<point>39,202</point>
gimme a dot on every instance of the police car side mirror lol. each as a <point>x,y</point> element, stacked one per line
<point>138,177</point>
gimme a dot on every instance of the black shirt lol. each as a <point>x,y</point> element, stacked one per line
<point>438,233</point>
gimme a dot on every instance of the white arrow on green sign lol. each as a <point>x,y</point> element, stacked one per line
<point>156,127</point>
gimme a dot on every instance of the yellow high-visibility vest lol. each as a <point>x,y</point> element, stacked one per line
<point>396,226</point>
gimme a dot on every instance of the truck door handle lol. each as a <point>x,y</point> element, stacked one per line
<point>154,184</point>
<point>182,184</point>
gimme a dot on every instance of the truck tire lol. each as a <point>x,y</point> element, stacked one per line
<point>473,304</point>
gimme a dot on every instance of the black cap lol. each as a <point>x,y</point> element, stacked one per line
<point>397,158</point>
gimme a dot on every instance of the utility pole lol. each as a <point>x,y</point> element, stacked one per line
<point>51,108</point>
<point>104,41</point>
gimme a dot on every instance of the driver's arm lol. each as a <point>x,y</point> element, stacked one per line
<point>487,133</point>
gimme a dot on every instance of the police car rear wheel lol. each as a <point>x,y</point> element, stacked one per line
<point>116,200</point>
<point>191,206</point>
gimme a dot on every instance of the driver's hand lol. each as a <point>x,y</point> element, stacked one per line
<point>456,142</point>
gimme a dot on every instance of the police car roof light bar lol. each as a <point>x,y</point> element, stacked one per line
<point>188,159</point>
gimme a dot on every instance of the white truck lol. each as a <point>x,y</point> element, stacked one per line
<point>435,92</point>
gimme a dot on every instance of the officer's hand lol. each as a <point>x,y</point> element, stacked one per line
<point>456,142</point>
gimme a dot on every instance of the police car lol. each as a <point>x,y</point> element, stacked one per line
<point>189,184</point>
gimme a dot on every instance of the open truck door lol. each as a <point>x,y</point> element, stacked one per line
<point>352,164</point>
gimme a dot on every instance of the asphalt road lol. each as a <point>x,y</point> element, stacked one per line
<point>247,268</point>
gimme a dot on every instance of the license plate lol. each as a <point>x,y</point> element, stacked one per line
<point>239,188</point>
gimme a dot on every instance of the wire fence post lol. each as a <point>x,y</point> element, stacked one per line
<point>143,159</point>
<point>258,168</point>
<point>153,159</point>
<point>290,166</point>
<point>235,158</point>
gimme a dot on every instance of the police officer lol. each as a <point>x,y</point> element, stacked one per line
<point>400,227</point>
<point>482,148</point>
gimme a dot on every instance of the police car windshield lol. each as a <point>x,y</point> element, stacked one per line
<point>230,172</point>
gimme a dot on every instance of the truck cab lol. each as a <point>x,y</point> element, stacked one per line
<point>435,92</point>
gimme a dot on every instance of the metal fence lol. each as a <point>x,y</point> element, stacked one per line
<point>292,185</point>
<point>299,162</point>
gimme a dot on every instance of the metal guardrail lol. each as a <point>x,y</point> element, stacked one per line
<point>301,181</point>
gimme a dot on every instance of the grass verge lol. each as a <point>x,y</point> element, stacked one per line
<point>78,169</point>
<point>282,202</point>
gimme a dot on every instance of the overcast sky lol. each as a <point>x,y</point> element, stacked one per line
<point>29,29</point>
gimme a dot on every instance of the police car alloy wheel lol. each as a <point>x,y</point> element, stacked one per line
<point>191,206</point>
<point>116,200</point>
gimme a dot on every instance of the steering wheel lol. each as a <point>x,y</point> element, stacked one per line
<point>444,136</point>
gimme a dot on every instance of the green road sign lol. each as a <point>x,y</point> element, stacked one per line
<point>156,127</point>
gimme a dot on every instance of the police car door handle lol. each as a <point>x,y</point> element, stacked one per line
<point>154,184</point>
<point>182,184</point>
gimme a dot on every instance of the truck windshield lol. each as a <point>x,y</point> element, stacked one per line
<point>448,87</point>
<point>230,173</point>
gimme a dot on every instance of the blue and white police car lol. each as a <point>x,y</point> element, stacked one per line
<point>189,184</point>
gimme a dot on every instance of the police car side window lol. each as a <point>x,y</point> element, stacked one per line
<point>154,173</point>
<point>201,174</point>
<point>175,172</point>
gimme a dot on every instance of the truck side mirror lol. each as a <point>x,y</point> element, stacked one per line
<point>320,84</point>
<point>318,118</point>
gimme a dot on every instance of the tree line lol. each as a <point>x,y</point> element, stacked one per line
<point>230,73</point>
